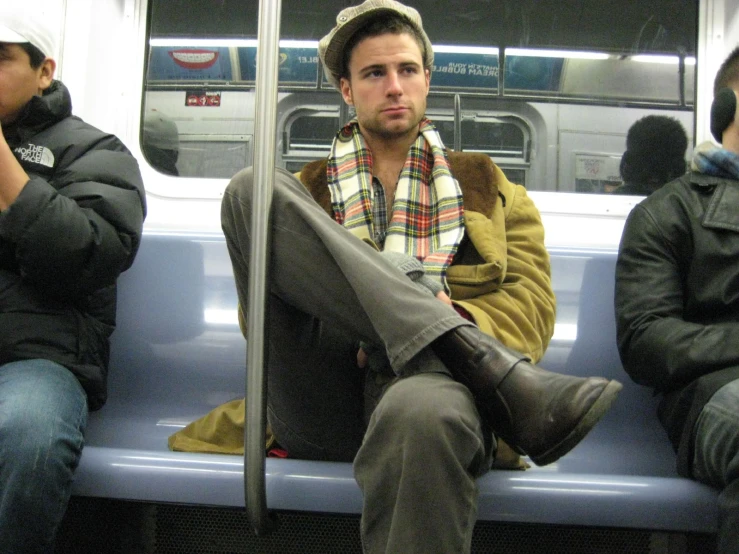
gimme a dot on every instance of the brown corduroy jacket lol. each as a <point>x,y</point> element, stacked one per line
<point>500,273</point>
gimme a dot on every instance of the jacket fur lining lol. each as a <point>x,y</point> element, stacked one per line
<point>474,171</point>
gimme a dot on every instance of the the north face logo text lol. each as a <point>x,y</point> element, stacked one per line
<point>36,154</point>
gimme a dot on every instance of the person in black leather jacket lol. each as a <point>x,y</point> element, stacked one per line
<point>677,306</point>
<point>71,213</point>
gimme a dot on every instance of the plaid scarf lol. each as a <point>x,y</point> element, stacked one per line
<point>427,214</point>
<point>719,162</point>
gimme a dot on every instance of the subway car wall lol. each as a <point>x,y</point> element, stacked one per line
<point>547,89</point>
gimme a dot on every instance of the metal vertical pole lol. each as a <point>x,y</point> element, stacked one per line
<point>264,175</point>
<point>457,123</point>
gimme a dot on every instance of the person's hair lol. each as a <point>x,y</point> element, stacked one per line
<point>655,151</point>
<point>728,73</point>
<point>381,25</point>
<point>36,55</point>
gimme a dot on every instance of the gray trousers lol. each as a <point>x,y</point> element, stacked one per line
<point>414,434</point>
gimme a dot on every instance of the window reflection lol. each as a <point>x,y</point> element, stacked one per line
<point>550,101</point>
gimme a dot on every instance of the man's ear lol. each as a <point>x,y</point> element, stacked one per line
<point>346,91</point>
<point>46,74</point>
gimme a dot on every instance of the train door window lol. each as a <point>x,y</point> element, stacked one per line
<point>559,82</point>
<point>308,136</point>
<point>504,138</point>
<point>197,119</point>
<point>215,156</point>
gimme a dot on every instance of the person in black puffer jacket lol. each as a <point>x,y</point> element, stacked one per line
<point>72,207</point>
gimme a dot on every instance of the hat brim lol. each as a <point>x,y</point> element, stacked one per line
<point>6,35</point>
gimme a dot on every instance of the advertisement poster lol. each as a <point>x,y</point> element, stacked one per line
<point>298,66</point>
<point>465,71</point>
<point>189,64</point>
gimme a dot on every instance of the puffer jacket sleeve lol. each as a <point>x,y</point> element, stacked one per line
<point>78,234</point>
<point>520,312</point>
<point>657,346</point>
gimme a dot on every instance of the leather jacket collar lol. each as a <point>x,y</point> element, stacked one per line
<point>722,211</point>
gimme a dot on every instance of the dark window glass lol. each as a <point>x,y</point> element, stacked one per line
<point>557,82</point>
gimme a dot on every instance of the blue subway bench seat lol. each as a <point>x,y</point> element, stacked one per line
<point>178,353</point>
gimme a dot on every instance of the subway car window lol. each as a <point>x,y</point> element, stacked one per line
<point>548,88</point>
<point>308,135</point>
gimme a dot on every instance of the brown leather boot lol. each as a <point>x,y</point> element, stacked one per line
<point>539,413</point>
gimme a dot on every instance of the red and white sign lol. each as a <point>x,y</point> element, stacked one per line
<point>194,59</point>
<point>202,98</point>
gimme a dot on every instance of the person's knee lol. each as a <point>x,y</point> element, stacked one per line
<point>429,410</point>
<point>727,397</point>
<point>28,435</point>
<point>38,433</point>
<point>240,189</point>
<point>29,418</point>
<point>241,184</point>
<point>716,439</point>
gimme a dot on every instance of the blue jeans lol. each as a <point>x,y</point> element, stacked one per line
<point>716,459</point>
<point>43,413</point>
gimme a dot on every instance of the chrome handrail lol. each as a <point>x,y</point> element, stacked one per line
<point>457,123</point>
<point>264,174</point>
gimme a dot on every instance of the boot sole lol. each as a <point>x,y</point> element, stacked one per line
<point>583,427</point>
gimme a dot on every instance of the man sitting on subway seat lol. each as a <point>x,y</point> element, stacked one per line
<point>677,306</point>
<point>410,291</point>
<point>72,207</point>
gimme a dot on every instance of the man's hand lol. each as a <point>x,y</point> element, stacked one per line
<point>441,295</point>
<point>362,358</point>
<point>12,175</point>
